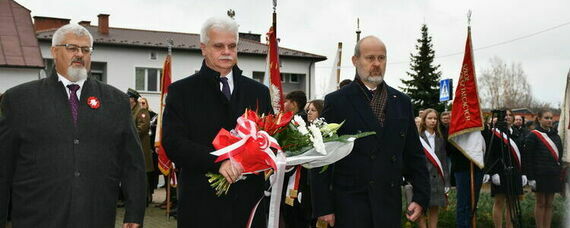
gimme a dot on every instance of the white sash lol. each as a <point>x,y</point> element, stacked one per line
<point>430,154</point>
<point>548,143</point>
<point>513,146</point>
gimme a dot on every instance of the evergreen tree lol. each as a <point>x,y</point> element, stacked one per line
<point>423,88</point>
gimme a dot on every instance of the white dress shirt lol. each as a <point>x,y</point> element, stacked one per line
<point>66,82</point>
<point>230,78</point>
<point>430,138</point>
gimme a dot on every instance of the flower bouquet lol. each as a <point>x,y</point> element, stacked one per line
<point>257,140</point>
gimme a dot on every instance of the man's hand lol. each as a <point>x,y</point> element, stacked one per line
<point>414,211</point>
<point>230,171</point>
<point>131,225</point>
<point>329,219</point>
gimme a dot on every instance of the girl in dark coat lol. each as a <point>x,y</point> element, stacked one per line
<point>544,147</point>
<point>434,147</point>
<point>503,154</point>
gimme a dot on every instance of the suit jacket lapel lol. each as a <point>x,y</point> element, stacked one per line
<point>86,119</point>
<point>60,100</point>
<point>360,104</point>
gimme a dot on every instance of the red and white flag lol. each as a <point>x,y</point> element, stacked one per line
<point>466,117</point>
<point>273,73</point>
<point>164,163</point>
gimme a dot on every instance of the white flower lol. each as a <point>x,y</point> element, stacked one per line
<point>317,139</point>
<point>302,125</point>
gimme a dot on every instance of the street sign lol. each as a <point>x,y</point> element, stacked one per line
<point>446,90</point>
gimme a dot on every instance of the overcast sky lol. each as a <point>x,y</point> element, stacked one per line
<point>316,26</point>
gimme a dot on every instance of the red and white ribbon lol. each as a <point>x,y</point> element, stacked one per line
<point>432,157</point>
<point>548,143</point>
<point>512,145</point>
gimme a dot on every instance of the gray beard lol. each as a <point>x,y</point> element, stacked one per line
<point>76,73</point>
<point>365,77</point>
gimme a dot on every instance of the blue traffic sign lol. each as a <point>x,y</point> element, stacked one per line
<point>446,89</point>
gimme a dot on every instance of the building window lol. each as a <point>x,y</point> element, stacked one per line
<point>294,78</point>
<point>258,76</point>
<point>153,55</point>
<point>147,79</point>
<point>283,77</point>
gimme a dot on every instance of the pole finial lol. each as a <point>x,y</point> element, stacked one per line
<point>469,17</point>
<point>358,29</point>
<point>274,5</point>
<point>231,13</point>
<point>170,44</point>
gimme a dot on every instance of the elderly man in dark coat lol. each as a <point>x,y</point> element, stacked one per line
<point>363,189</point>
<point>66,142</point>
<point>197,107</point>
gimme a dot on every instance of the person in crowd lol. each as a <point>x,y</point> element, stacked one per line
<point>445,119</point>
<point>141,118</point>
<point>519,126</point>
<point>418,122</point>
<point>461,169</point>
<point>295,102</point>
<point>434,148</point>
<point>544,149</point>
<point>365,188</point>
<point>197,108</point>
<point>68,145</point>
<point>314,109</point>
<point>152,176</point>
<point>504,155</point>
<point>296,211</point>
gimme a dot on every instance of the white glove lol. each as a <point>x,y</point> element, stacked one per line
<point>496,180</point>
<point>486,178</point>
<point>524,180</point>
<point>446,190</point>
<point>532,184</point>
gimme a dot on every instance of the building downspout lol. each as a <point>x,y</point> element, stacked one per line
<point>310,77</point>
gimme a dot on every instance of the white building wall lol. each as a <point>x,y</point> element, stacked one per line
<point>10,77</point>
<point>122,61</point>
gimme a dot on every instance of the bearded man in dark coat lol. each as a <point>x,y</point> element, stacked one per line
<point>66,142</point>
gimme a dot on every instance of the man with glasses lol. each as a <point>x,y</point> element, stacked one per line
<point>66,142</point>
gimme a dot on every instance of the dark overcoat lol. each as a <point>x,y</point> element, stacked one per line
<point>195,111</point>
<point>363,189</point>
<point>63,175</point>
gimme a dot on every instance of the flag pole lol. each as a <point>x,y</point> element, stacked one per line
<point>170,43</point>
<point>338,63</point>
<point>358,29</point>
<point>471,168</point>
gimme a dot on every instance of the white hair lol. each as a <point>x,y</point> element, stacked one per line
<point>222,23</point>
<point>76,29</point>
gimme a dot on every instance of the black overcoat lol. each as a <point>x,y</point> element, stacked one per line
<point>363,189</point>
<point>67,176</point>
<point>195,111</point>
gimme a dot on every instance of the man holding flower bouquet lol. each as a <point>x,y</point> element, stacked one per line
<point>197,107</point>
<point>363,188</point>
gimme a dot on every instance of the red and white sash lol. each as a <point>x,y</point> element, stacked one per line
<point>548,143</point>
<point>432,157</point>
<point>512,145</point>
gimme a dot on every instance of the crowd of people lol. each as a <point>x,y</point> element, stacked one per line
<point>517,155</point>
<point>70,146</point>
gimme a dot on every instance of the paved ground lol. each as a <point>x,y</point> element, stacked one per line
<point>154,217</point>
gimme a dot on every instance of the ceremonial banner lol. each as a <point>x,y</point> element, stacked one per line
<point>164,164</point>
<point>466,117</point>
<point>273,75</point>
<point>333,80</point>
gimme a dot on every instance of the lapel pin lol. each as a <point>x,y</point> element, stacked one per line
<point>93,102</point>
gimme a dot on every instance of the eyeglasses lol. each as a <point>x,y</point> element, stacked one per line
<point>75,49</point>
